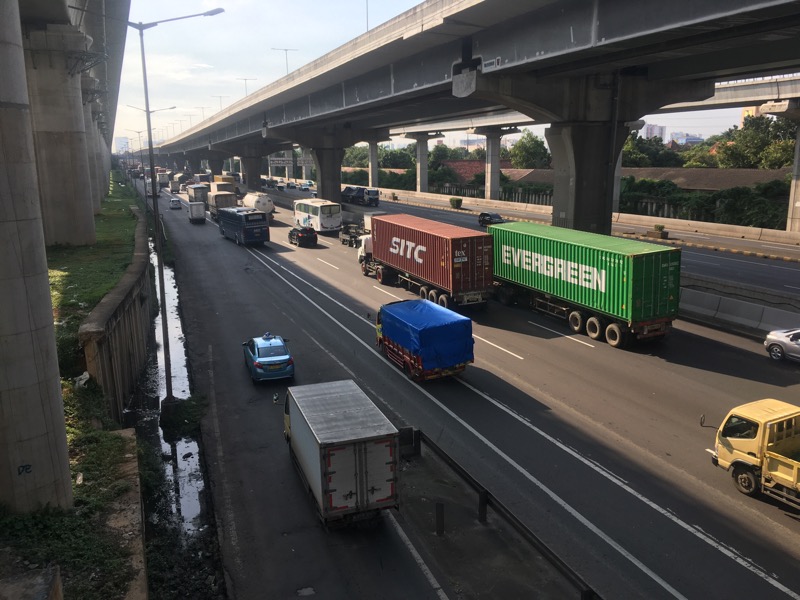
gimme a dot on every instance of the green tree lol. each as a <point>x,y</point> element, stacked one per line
<point>395,159</point>
<point>530,152</point>
<point>761,143</point>
<point>648,152</point>
<point>356,156</point>
<point>477,154</point>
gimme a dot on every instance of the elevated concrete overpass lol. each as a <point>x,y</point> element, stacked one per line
<point>585,68</point>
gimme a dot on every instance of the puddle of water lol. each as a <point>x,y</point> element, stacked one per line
<point>181,457</point>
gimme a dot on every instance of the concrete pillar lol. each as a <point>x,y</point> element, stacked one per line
<point>194,164</point>
<point>422,160</point>
<point>88,85</point>
<point>252,166</point>
<point>492,190</point>
<point>306,168</point>
<point>374,167</point>
<point>34,465</point>
<point>57,116</point>
<point>329,172</point>
<point>793,218</point>
<point>215,164</point>
<point>581,198</point>
<point>101,186</point>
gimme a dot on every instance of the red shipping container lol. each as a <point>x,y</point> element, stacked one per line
<point>455,259</point>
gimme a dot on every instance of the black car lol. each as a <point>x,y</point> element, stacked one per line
<point>487,218</point>
<point>303,236</point>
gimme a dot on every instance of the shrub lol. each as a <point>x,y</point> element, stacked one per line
<point>455,202</point>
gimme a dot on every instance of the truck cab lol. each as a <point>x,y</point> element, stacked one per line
<point>759,443</point>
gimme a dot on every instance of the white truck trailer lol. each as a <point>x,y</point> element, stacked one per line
<point>345,449</point>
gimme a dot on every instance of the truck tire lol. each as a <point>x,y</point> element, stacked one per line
<point>433,296</point>
<point>505,295</point>
<point>745,481</point>
<point>615,336</point>
<point>423,292</point>
<point>380,275</point>
<point>594,328</point>
<point>364,269</point>
<point>443,301</point>
<point>577,321</point>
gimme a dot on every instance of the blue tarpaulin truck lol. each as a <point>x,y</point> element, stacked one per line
<point>424,339</point>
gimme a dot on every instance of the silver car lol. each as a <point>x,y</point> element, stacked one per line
<point>783,343</point>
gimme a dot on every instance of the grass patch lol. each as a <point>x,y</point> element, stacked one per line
<point>93,559</point>
<point>81,275</point>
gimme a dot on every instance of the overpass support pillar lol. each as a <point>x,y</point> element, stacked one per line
<point>89,85</point>
<point>422,158</point>
<point>101,180</point>
<point>373,164</point>
<point>194,165</point>
<point>252,166</point>
<point>493,136</point>
<point>793,218</point>
<point>580,202</point>
<point>306,168</point>
<point>215,164</point>
<point>329,172</point>
<point>60,137</point>
<point>34,465</point>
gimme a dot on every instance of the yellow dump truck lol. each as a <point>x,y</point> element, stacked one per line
<point>759,444</point>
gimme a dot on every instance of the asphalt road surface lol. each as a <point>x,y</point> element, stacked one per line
<point>599,451</point>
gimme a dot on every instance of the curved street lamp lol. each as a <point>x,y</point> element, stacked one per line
<point>140,27</point>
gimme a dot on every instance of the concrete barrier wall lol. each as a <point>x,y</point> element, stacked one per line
<point>115,334</point>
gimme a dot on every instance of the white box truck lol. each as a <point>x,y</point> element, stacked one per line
<point>197,212</point>
<point>345,449</point>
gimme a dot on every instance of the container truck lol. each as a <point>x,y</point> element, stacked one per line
<point>259,201</point>
<point>223,186</point>
<point>163,179</point>
<point>344,448</point>
<point>217,200</point>
<point>759,444</point>
<point>425,340</point>
<point>446,264</point>
<point>197,193</point>
<point>175,183</point>
<point>197,212</point>
<point>608,287</point>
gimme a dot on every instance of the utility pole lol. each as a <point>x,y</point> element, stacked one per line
<point>286,54</point>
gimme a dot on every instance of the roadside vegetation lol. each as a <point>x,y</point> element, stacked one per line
<point>761,143</point>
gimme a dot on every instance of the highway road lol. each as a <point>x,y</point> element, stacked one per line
<point>598,450</point>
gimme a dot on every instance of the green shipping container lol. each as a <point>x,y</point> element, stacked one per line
<point>630,280</point>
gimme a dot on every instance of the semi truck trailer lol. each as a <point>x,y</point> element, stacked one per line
<point>217,200</point>
<point>608,287</point>
<point>758,443</point>
<point>443,263</point>
<point>344,448</point>
<point>425,340</point>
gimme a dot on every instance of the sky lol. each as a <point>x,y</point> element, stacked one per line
<point>201,64</point>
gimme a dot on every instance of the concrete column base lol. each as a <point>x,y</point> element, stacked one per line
<point>329,172</point>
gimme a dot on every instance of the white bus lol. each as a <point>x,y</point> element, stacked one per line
<point>322,215</point>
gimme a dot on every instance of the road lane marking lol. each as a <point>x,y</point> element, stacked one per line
<point>498,347</point>
<point>329,264</point>
<point>723,549</point>
<point>569,337</point>
<point>610,476</point>
<point>383,291</point>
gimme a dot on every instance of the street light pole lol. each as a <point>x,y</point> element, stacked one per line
<point>156,227</point>
<point>220,100</point>
<point>286,54</point>
<point>202,112</point>
<point>246,79</point>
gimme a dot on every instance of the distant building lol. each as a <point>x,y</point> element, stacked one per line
<point>686,139</point>
<point>121,144</point>
<point>749,111</point>
<point>650,131</point>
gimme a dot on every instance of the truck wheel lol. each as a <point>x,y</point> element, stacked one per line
<point>577,321</point>
<point>433,295</point>
<point>423,292</point>
<point>615,337</point>
<point>364,269</point>
<point>745,481</point>
<point>443,300</point>
<point>380,274</point>
<point>594,328</point>
<point>505,295</point>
